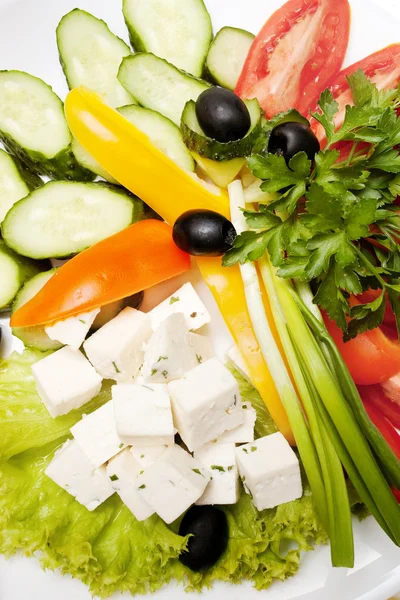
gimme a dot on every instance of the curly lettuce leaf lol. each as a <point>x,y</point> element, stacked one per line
<point>108,549</point>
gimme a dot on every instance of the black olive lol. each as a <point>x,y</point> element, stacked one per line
<point>209,528</point>
<point>202,232</point>
<point>222,115</point>
<point>290,138</point>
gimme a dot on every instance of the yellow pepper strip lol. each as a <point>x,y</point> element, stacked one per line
<point>128,155</point>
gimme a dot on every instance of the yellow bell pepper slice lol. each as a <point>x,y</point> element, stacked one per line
<point>128,155</point>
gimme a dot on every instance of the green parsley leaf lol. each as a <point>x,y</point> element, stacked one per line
<point>329,109</point>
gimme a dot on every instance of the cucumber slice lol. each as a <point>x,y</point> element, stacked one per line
<point>227,55</point>
<point>197,141</point>
<point>88,162</point>
<point>220,173</point>
<point>158,85</point>
<point>90,55</point>
<point>34,337</point>
<point>15,182</point>
<point>162,132</point>
<point>179,31</point>
<point>15,270</point>
<point>33,127</point>
<point>63,218</point>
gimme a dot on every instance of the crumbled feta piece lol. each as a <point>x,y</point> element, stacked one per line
<point>65,380</point>
<point>202,348</point>
<point>97,435</point>
<point>236,358</point>
<point>123,471</point>
<point>220,461</point>
<point>186,301</point>
<point>173,483</point>
<point>72,331</point>
<point>169,354</point>
<point>143,414</point>
<point>147,455</point>
<point>116,350</point>
<point>73,471</point>
<point>245,432</point>
<point>205,403</point>
<point>270,471</point>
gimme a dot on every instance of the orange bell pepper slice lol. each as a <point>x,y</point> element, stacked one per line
<point>128,262</point>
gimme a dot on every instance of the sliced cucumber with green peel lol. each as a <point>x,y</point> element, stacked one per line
<point>34,337</point>
<point>88,162</point>
<point>14,271</point>
<point>15,182</point>
<point>227,55</point>
<point>178,30</point>
<point>63,218</point>
<point>90,55</point>
<point>33,127</point>
<point>220,173</point>
<point>158,85</point>
<point>197,141</point>
<point>162,132</point>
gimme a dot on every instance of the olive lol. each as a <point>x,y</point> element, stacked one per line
<point>222,115</point>
<point>208,527</point>
<point>290,138</point>
<point>202,232</point>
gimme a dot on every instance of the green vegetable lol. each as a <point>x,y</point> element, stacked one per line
<point>322,225</point>
<point>108,549</point>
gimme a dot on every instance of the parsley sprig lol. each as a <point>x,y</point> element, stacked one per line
<point>335,222</point>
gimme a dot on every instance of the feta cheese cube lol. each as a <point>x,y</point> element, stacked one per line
<point>147,455</point>
<point>186,301</point>
<point>72,331</point>
<point>116,350</point>
<point>73,471</point>
<point>123,471</point>
<point>270,471</point>
<point>245,432</point>
<point>236,358</point>
<point>202,348</point>
<point>169,354</point>
<point>65,380</point>
<point>143,414</point>
<point>97,435</point>
<point>205,403</point>
<point>220,461</point>
<point>173,483</point>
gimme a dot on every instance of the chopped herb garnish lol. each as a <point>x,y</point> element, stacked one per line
<point>199,359</point>
<point>141,472</point>
<point>171,482</point>
<point>198,472</point>
<point>148,388</point>
<point>116,367</point>
<point>244,407</point>
<point>114,478</point>
<point>235,400</point>
<point>254,448</point>
<point>160,358</point>
<point>142,456</point>
<point>193,315</point>
<point>218,468</point>
<point>245,450</point>
<point>153,372</point>
<point>142,487</point>
<point>82,321</point>
<point>230,468</point>
<point>174,299</point>
<point>164,374</point>
<point>121,445</point>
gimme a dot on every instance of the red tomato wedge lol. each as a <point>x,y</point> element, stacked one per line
<point>371,357</point>
<point>299,49</point>
<point>375,394</point>
<point>383,67</point>
<point>387,430</point>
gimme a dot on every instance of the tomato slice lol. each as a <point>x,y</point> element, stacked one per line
<point>299,49</point>
<point>383,67</point>
<point>387,430</point>
<point>371,357</point>
<point>375,394</point>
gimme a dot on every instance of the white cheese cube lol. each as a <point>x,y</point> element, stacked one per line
<point>65,380</point>
<point>205,403</point>
<point>186,301</point>
<point>97,435</point>
<point>173,483</point>
<point>147,455</point>
<point>73,471</point>
<point>245,432</point>
<point>220,461</point>
<point>143,414</point>
<point>236,358</point>
<point>202,348</point>
<point>169,354</point>
<point>123,471</point>
<point>116,350</point>
<point>270,471</point>
<point>72,331</point>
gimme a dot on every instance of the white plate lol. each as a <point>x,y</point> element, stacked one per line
<point>27,42</point>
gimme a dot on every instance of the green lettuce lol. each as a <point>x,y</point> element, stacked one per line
<point>108,549</point>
